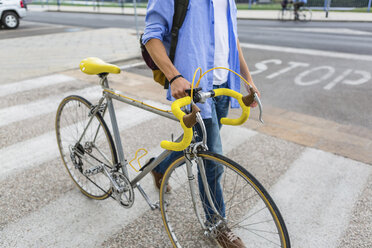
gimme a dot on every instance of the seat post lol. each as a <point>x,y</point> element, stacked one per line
<point>104,81</point>
<point>119,147</point>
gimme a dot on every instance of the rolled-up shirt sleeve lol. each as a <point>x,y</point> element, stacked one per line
<point>159,19</point>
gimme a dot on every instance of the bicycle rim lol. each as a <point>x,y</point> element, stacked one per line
<point>250,212</point>
<point>96,145</point>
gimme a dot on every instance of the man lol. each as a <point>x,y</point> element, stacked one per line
<point>297,4</point>
<point>284,4</point>
<point>203,41</point>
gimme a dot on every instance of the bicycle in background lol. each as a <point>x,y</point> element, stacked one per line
<point>288,12</point>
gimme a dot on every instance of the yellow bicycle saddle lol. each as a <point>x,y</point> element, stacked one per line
<point>94,66</point>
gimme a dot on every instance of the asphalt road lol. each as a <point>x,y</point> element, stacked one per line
<point>333,87</point>
<point>342,37</point>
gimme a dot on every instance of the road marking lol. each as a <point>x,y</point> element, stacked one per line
<point>329,71</point>
<point>73,213</point>
<point>343,31</point>
<point>311,52</point>
<point>27,27</point>
<point>317,194</point>
<point>360,78</point>
<point>43,106</point>
<point>261,66</point>
<point>337,79</point>
<point>34,83</point>
<point>291,65</point>
<point>365,77</point>
<point>43,148</point>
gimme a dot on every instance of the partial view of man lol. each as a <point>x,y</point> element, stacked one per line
<point>208,38</point>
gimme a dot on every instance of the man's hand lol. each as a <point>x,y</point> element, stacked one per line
<point>254,104</point>
<point>179,86</point>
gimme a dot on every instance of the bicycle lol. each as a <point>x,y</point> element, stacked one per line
<point>287,13</point>
<point>96,163</point>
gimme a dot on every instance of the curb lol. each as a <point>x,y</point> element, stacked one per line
<point>239,17</point>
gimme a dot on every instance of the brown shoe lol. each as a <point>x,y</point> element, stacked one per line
<point>227,239</point>
<point>157,181</point>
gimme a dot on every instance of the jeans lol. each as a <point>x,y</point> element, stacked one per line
<point>220,108</point>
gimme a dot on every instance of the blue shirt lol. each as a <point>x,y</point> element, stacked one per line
<point>196,44</point>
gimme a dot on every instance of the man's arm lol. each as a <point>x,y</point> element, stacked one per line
<point>244,71</point>
<point>158,53</point>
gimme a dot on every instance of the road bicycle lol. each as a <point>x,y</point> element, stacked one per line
<point>95,160</point>
<point>304,14</point>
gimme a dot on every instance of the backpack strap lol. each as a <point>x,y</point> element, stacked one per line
<point>180,10</point>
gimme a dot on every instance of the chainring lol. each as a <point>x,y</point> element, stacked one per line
<point>125,194</point>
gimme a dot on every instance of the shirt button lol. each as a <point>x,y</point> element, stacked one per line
<point>212,22</point>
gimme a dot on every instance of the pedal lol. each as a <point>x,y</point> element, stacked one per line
<point>155,205</point>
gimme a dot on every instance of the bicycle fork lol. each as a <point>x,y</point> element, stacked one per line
<point>219,220</point>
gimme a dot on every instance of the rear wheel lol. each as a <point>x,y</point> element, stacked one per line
<point>250,212</point>
<point>10,20</point>
<point>84,159</point>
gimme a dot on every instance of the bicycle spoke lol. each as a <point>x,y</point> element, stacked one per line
<point>256,223</point>
<point>72,119</point>
<point>247,217</point>
<point>262,237</point>
<point>232,196</point>
<point>181,223</point>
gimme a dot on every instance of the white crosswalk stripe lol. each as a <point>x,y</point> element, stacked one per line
<point>43,148</point>
<point>43,106</point>
<point>317,194</point>
<point>35,83</point>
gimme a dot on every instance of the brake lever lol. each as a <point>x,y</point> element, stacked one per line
<point>258,101</point>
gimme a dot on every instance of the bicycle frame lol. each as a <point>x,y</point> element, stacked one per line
<point>110,94</point>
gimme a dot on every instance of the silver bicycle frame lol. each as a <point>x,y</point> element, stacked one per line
<point>110,94</point>
<point>122,160</point>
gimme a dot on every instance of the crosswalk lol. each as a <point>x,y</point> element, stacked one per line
<point>316,191</point>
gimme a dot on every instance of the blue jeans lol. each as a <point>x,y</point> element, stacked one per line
<point>214,171</point>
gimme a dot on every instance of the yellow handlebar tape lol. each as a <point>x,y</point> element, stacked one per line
<point>187,132</point>
<point>237,96</point>
<point>187,135</point>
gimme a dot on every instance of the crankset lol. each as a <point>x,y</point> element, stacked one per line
<point>123,190</point>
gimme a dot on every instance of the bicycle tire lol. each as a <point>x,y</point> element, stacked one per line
<point>72,117</point>
<point>181,221</point>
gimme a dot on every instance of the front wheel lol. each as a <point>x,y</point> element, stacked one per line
<point>244,206</point>
<point>10,20</point>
